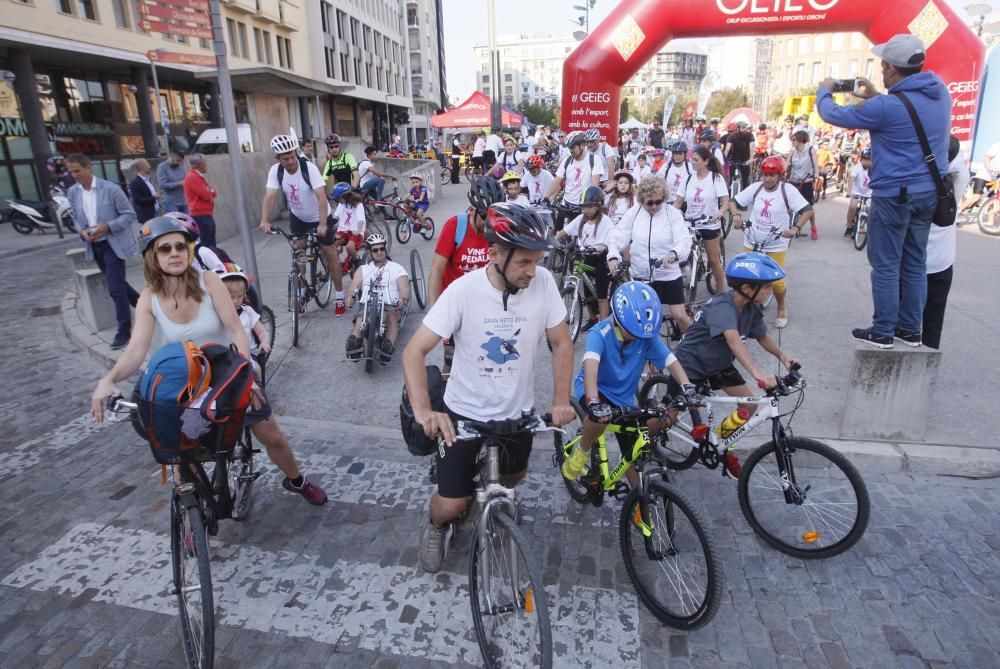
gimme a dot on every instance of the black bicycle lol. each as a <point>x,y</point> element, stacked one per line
<point>199,500</point>
<point>308,277</point>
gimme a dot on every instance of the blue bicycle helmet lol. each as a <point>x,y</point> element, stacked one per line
<point>636,308</point>
<point>677,146</point>
<point>339,190</point>
<point>752,268</point>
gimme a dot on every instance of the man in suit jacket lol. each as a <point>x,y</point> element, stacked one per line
<point>145,196</point>
<point>104,218</point>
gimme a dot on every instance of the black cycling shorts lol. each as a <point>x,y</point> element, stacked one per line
<point>669,292</point>
<point>456,464</point>
<point>978,185</point>
<point>709,233</point>
<point>299,228</point>
<point>727,378</point>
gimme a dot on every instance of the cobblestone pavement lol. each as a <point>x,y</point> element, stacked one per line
<point>84,568</point>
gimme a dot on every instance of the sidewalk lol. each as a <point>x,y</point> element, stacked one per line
<point>13,243</point>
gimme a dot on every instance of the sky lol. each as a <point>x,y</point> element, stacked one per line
<point>465,27</point>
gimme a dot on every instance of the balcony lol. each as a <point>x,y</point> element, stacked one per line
<point>269,11</point>
<point>244,6</point>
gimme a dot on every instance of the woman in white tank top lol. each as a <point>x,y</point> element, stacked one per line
<point>185,304</point>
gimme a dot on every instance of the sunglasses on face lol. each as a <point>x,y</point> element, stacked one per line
<point>380,249</point>
<point>330,146</point>
<point>654,203</point>
<point>165,249</point>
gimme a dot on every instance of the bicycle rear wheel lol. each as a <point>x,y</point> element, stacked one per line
<point>427,229</point>
<point>509,608</point>
<point>417,278</point>
<point>371,336</point>
<point>824,510</point>
<point>574,311</point>
<point>192,584</point>
<point>295,285</point>
<point>242,476</point>
<point>860,230</point>
<point>989,217</point>
<point>321,280</point>
<point>382,228</point>
<point>676,568</point>
<point>676,454</point>
<point>403,231</point>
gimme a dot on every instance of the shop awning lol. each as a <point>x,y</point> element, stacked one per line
<point>275,82</point>
<point>474,113</point>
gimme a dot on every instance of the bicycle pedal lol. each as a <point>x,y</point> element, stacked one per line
<point>620,491</point>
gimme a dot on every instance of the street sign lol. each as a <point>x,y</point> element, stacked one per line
<point>176,29</point>
<point>161,56</point>
<point>174,13</point>
<point>200,6</point>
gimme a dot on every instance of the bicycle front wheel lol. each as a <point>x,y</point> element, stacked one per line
<point>815,505</point>
<point>241,476</point>
<point>860,230</point>
<point>989,217</point>
<point>321,281</point>
<point>427,229</point>
<point>371,337</point>
<point>509,608</point>
<point>417,278</point>
<point>403,231</point>
<point>671,556</point>
<point>574,311</point>
<point>445,175</point>
<point>192,584</point>
<point>295,286</point>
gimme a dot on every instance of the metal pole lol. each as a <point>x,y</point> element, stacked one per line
<point>388,123</point>
<point>164,121</point>
<point>233,142</point>
<point>495,117</point>
<point>320,130</point>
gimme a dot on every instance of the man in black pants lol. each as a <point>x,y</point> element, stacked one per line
<point>456,152</point>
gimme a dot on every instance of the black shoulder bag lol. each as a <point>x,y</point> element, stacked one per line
<point>947,207</point>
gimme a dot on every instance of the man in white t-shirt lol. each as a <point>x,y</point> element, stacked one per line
<point>536,179</point>
<point>578,171</point>
<point>477,150</point>
<point>778,212</point>
<point>498,317</point>
<point>302,183</point>
<point>393,285</point>
<point>372,182</point>
<point>494,143</point>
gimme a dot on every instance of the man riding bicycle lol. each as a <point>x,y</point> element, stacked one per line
<point>393,284</point>
<point>497,316</point>
<point>299,179</point>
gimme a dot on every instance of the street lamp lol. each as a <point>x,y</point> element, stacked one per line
<point>584,20</point>
<point>980,9</point>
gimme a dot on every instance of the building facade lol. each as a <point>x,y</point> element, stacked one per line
<point>800,61</point>
<point>530,67</point>
<point>680,66</point>
<point>425,26</point>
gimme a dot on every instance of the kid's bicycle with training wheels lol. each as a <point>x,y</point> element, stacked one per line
<point>669,551</point>
<point>799,495</point>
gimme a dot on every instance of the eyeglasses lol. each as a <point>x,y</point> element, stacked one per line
<point>165,249</point>
<point>654,203</point>
<point>330,146</point>
<point>380,249</point>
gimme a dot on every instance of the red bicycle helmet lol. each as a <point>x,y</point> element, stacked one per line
<point>772,165</point>
<point>536,161</point>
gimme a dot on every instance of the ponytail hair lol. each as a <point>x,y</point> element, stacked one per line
<point>709,158</point>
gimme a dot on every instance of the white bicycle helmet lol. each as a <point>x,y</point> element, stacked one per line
<point>283,144</point>
<point>593,135</point>
<point>574,138</point>
<point>374,239</point>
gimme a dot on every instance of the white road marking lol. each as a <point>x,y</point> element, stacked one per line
<point>396,610</point>
<point>24,456</point>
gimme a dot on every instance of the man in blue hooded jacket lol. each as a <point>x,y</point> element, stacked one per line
<point>904,194</point>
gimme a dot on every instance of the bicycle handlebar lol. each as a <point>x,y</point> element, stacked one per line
<point>467,430</point>
<point>786,384</point>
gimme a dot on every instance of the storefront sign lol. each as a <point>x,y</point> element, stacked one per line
<point>161,56</point>
<point>174,13</point>
<point>12,127</point>
<point>83,129</point>
<point>175,29</point>
<point>200,6</point>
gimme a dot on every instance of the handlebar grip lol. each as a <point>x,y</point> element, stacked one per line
<point>762,385</point>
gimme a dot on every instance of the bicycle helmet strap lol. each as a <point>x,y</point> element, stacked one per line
<point>509,288</point>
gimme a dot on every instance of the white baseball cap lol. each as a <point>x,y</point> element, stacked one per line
<point>902,51</point>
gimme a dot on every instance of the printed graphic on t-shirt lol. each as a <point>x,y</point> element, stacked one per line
<point>500,354</point>
<point>293,195</point>
<point>472,258</point>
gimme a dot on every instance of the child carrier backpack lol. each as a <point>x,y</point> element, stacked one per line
<point>192,401</point>
<point>417,441</point>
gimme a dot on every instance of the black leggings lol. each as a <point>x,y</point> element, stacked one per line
<point>938,287</point>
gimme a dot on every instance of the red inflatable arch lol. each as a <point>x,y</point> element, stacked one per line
<point>636,29</point>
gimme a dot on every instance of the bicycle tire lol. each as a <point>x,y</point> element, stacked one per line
<point>188,539</point>
<point>678,457</point>
<point>294,281</point>
<point>371,336</point>
<point>268,320</point>
<point>322,281</point>
<point>574,311</point>
<point>532,596</point>
<point>823,456</point>
<point>241,476</point>
<point>417,278</point>
<point>427,229</point>
<point>403,231</point>
<point>989,217</point>
<point>445,175</point>
<point>691,289</point>
<point>860,236</point>
<point>575,428</point>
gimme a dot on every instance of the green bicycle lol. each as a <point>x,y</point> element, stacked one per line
<point>578,287</point>
<point>668,549</point>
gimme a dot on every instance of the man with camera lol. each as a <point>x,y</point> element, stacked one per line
<point>904,191</point>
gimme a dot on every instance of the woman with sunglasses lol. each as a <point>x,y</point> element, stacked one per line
<point>181,303</point>
<point>657,241</point>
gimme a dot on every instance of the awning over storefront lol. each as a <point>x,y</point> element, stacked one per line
<point>275,82</point>
<point>474,113</point>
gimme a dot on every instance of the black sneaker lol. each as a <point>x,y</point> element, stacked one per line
<point>908,338</point>
<point>867,336</point>
<point>355,347</point>
<point>119,343</point>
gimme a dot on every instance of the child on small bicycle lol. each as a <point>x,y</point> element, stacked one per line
<point>716,338</point>
<point>350,218</point>
<point>592,228</point>
<point>419,200</point>
<point>392,282</point>
<point>617,351</point>
<point>237,284</point>
<point>859,186</point>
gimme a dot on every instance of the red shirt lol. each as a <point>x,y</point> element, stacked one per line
<point>472,254</point>
<point>199,195</point>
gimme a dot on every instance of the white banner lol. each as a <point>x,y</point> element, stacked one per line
<point>668,108</point>
<point>708,86</point>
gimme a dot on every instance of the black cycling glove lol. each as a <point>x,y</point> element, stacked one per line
<point>598,411</point>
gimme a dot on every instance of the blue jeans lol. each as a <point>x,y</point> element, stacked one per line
<point>374,187</point>
<point>175,206</point>
<point>206,229</point>
<point>897,252</point>
<point>119,290</point>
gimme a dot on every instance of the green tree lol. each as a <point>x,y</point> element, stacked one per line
<point>537,113</point>
<point>623,111</point>
<point>725,100</point>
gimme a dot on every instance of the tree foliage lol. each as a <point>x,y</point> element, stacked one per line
<point>725,100</point>
<point>539,113</point>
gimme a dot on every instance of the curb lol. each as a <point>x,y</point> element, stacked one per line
<point>869,456</point>
<point>37,247</point>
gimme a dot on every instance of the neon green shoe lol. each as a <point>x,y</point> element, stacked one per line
<point>573,466</point>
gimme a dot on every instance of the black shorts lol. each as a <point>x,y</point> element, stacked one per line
<point>299,228</point>
<point>709,234</point>
<point>978,185</point>
<point>669,292</point>
<point>601,275</point>
<point>727,378</point>
<point>457,467</point>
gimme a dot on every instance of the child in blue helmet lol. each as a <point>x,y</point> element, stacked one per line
<point>617,351</point>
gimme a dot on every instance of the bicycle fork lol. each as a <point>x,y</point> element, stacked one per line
<point>497,495</point>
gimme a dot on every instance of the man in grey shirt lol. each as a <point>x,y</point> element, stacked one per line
<point>170,175</point>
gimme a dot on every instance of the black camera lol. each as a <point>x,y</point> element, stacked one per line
<point>845,85</point>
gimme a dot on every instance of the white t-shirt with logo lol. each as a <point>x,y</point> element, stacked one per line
<point>702,197</point>
<point>302,201</point>
<point>386,278</point>
<point>590,235</point>
<point>862,181</point>
<point>640,172</point>
<point>364,170</point>
<point>578,176</point>
<point>769,212</point>
<point>941,241</point>
<point>537,186</point>
<point>493,372</point>
<point>617,209</point>
<point>350,219</point>
<point>509,163</point>
<point>676,176</point>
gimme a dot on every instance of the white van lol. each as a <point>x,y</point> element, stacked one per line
<point>213,140</point>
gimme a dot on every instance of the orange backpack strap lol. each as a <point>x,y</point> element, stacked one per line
<point>199,373</point>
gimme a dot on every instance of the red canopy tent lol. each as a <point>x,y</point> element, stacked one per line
<point>474,113</point>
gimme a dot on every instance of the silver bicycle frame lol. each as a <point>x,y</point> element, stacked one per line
<point>767,409</point>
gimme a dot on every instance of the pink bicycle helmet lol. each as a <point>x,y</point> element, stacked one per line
<point>187,222</point>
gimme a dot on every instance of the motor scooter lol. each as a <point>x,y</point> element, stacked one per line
<point>27,216</point>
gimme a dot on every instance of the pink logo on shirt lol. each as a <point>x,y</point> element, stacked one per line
<point>697,194</point>
<point>293,194</point>
<point>765,211</point>
<point>578,178</point>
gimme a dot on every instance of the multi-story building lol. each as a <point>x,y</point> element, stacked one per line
<point>425,25</point>
<point>680,66</point>
<point>805,60</point>
<point>530,67</point>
